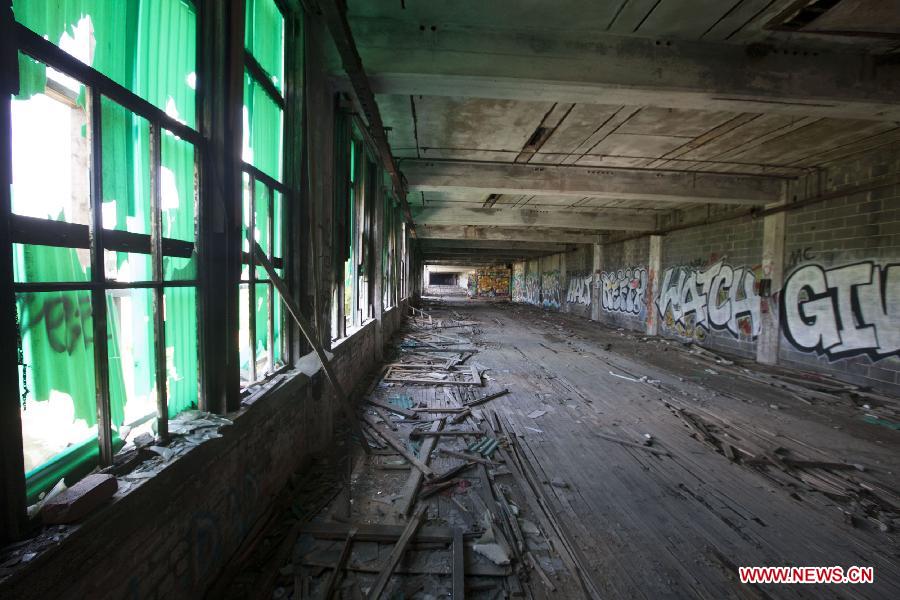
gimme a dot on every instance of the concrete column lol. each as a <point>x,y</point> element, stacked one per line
<point>563,284</point>
<point>595,282</point>
<point>770,286</point>
<point>654,267</point>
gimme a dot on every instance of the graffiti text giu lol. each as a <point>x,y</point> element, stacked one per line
<point>720,297</point>
<point>844,311</point>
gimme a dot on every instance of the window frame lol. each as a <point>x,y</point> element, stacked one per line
<point>96,238</point>
<point>260,76</point>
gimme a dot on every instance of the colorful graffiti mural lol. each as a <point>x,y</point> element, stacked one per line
<point>493,282</point>
<point>721,297</point>
<point>623,291</point>
<point>579,289</point>
<point>843,311</point>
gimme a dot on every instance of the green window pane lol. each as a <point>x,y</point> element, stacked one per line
<point>147,46</point>
<point>264,37</point>
<point>126,188</point>
<point>182,370</point>
<point>244,347</point>
<point>178,203</point>
<point>278,345</point>
<point>261,225</point>
<point>262,328</point>
<point>278,241</point>
<point>132,360</point>
<point>245,226</point>
<point>59,410</point>
<point>262,142</point>
<point>44,264</point>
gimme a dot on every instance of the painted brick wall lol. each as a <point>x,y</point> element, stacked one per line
<point>491,283</point>
<point>733,244</point>
<point>577,281</point>
<point>850,240</point>
<point>623,284</point>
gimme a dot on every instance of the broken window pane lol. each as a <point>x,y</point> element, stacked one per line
<point>262,329</point>
<point>132,362</point>
<point>59,410</point>
<point>126,188</point>
<point>244,347</point>
<point>261,226</point>
<point>181,348</point>
<point>146,46</point>
<point>178,204</point>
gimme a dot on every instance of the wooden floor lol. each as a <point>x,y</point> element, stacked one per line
<point>677,526</point>
<point>745,466</point>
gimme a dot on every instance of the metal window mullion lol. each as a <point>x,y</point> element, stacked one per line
<point>159,324</point>
<point>251,291</point>
<point>98,294</point>
<point>271,307</point>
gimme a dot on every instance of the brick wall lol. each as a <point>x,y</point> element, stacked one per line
<point>577,281</point>
<point>687,255</point>
<point>623,283</point>
<point>849,240</point>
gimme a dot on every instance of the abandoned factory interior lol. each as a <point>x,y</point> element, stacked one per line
<point>420,299</point>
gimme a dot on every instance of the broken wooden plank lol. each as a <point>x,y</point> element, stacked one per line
<point>403,412</point>
<point>335,575</point>
<point>399,446</point>
<point>414,482</point>
<point>397,554</point>
<point>466,456</point>
<point>484,399</point>
<point>459,565</point>
<point>312,337</point>
<point>428,434</point>
<point>379,532</point>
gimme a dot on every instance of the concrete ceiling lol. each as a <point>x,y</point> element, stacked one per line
<point>739,90</point>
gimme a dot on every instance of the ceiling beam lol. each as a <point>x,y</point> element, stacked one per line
<point>518,234</point>
<point>334,12</point>
<point>435,244</point>
<point>623,220</point>
<point>638,71</point>
<point>606,182</point>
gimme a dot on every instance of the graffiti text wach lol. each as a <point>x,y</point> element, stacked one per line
<point>623,290</point>
<point>720,297</point>
<point>843,311</point>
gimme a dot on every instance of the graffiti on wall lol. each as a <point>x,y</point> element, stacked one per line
<point>532,288</point>
<point>623,290</point>
<point>550,289</point>
<point>518,283</point>
<point>721,297</point>
<point>579,289</point>
<point>843,311</point>
<point>492,282</point>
